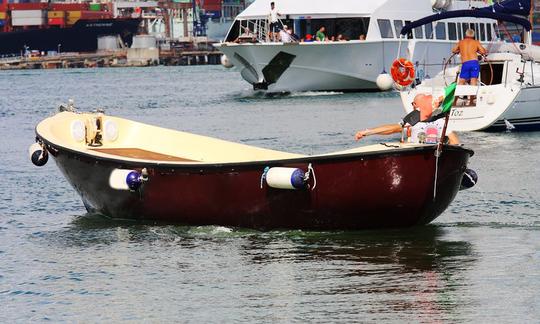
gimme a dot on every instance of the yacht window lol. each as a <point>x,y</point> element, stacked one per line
<point>419,32</point>
<point>482,32</point>
<point>489,35</point>
<point>429,31</point>
<point>440,30</point>
<point>349,28</point>
<point>234,32</point>
<point>452,34</point>
<point>459,34</point>
<point>398,26</point>
<point>386,28</point>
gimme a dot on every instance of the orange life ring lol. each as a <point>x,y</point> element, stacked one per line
<point>402,71</point>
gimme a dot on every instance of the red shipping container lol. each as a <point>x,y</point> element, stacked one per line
<point>28,6</point>
<point>212,7</point>
<point>95,15</point>
<point>56,21</point>
<point>69,6</point>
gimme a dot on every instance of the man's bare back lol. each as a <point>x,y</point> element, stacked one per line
<point>469,48</point>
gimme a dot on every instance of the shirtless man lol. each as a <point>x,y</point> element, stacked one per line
<point>469,48</point>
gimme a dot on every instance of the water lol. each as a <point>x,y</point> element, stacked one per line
<point>478,262</point>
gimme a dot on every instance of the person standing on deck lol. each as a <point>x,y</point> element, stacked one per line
<point>469,48</point>
<point>320,36</point>
<point>274,22</point>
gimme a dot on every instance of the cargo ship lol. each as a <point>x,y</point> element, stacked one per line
<point>66,27</point>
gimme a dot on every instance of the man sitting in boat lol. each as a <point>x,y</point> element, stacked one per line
<point>423,130</point>
<point>469,48</point>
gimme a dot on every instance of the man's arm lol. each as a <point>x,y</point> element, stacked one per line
<point>381,130</point>
<point>481,49</point>
<point>455,50</point>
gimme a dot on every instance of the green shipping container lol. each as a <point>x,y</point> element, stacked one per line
<point>182,1</point>
<point>95,6</point>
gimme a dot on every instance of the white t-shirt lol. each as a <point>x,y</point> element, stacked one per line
<point>429,133</point>
<point>285,37</point>
<point>273,15</point>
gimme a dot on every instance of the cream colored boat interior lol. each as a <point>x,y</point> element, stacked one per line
<point>113,137</point>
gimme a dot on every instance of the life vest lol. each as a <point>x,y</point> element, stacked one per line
<point>402,71</point>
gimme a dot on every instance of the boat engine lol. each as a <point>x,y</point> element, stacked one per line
<point>38,154</point>
<point>470,178</point>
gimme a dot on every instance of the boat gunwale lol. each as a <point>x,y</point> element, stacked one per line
<point>218,165</point>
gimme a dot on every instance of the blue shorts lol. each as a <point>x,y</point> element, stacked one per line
<point>469,70</point>
<point>275,27</point>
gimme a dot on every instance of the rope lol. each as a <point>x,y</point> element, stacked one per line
<point>312,171</point>
<point>263,176</point>
<point>510,36</point>
<point>437,154</point>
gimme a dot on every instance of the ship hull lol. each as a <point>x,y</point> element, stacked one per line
<point>82,37</point>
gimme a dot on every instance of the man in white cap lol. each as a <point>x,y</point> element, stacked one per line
<point>284,35</point>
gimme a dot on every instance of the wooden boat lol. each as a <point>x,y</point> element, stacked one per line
<point>125,169</point>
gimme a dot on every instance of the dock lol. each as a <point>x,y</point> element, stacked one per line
<point>110,59</point>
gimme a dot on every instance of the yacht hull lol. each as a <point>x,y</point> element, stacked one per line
<point>330,66</point>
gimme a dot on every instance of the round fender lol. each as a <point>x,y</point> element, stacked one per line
<point>38,154</point>
<point>470,178</point>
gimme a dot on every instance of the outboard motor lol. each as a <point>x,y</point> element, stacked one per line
<point>470,178</point>
<point>38,154</point>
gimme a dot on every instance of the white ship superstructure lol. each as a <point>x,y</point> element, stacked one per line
<point>349,65</point>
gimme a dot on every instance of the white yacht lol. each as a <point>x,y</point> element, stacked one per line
<point>351,65</point>
<point>507,95</point>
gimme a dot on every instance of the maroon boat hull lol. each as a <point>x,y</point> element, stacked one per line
<point>393,188</point>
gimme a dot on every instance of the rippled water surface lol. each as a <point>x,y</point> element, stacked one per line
<point>478,262</point>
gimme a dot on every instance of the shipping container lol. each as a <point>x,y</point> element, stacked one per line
<point>72,21</point>
<point>87,14</point>
<point>56,21</point>
<point>28,6</point>
<point>74,14</point>
<point>28,21</point>
<point>2,23</point>
<point>2,15</point>
<point>69,6</point>
<point>95,6</point>
<point>56,14</point>
<point>28,14</point>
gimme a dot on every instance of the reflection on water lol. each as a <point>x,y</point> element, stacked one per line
<point>414,273</point>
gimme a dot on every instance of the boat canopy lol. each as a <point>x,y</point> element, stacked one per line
<point>312,9</point>
<point>466,13</point>
<point>513,7</point>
